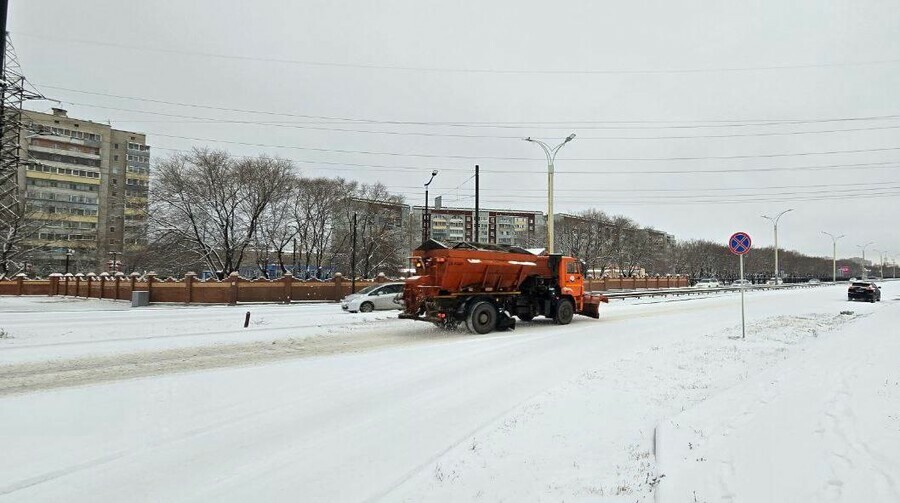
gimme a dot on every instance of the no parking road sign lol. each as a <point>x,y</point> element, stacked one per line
<point>739,243</point>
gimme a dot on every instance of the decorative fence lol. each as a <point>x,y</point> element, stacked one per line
<point>235,289</point>
<point>607,284</point>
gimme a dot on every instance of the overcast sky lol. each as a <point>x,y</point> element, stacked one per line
<point>657,91</point>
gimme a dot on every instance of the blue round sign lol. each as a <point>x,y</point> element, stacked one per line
<point>739,243</point>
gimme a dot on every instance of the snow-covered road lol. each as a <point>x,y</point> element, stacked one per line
<point>542,413</point>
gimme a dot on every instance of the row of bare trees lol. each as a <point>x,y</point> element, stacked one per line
<point>216,212</point>
<point>612,245</point>
<point>702,258</point>
<point>211,211</point>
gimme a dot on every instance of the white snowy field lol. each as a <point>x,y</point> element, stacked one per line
<point>49,328</point>
<point>542,413</point>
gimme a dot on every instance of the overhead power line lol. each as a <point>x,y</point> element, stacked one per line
<point>288,125</point>
<point>718,197</point>
<point>496,71</point>
<point>663,201</point>
<point>336,165</point>
<point>515,158</point>
<point>580,124</point>
<point>870,185</point>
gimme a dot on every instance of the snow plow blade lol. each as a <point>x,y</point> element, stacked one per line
<point>591,305</point>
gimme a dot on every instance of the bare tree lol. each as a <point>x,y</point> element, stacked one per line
<point>19,234</point>
<point>381,240</point>
<point>214,202</point>
<point>317,206</point>
<point>277,230</point>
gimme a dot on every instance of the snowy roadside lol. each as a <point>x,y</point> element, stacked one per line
<point>821,427</point>
<point>41,330</point>
<point>543,413</point>
<point>594,438</point>
<point>55,342</point>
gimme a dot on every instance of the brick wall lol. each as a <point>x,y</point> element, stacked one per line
<point>234,289</point>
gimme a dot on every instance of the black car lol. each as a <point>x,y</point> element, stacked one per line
<point>864,290</point>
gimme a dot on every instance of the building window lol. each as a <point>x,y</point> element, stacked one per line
<point>116,157</point>
<point>112,229</point>
<point>116,146</point>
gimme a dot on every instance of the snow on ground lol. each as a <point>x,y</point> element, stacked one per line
<point>543,413</point>
<point>821,427</point>
<point>48,328</point>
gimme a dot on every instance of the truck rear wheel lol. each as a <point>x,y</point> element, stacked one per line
<point>564,312</point>
<point>482,318</point>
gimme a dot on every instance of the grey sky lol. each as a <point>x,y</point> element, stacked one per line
<point>578,66</point>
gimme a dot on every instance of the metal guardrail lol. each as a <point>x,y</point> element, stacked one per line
<point>636,294</point>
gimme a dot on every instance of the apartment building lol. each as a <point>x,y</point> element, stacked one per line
<point>86,184</point>
<point>496,226</point>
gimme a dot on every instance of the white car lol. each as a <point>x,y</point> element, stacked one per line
<point>741,283</point>
<point>774,281</point>
<point>814,281</point>
<point>380,296</point>
<point>708,283</point>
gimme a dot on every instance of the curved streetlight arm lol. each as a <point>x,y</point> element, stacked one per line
<point>833,237</point>
<point>551,156</point>
<point>778,216</point>
<point>549,151</point>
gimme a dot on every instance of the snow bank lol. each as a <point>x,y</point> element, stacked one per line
<point>821,427</point>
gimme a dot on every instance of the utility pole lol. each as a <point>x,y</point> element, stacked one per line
<point>4,6</point>
<point>775,223</point>
<point>833,254</point>
<point>426,218</point>
<point>477,211</point>
<point>353,258</point>
<point>69,253</point>
<point>865,274</point>
<point>294,257</point>
<point>551,156</point>
<point>881,254</point>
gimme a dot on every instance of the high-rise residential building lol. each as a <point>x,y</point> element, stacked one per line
<point>496,226</point>
<point>86,185</point>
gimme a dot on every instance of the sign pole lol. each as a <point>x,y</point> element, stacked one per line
<point>739,243</point>
<point>743,325</point>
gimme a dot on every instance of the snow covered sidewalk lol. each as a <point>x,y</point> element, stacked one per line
<point>821,427</point>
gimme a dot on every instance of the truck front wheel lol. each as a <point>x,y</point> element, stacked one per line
<point>482,318</point>
<point>564,312</point>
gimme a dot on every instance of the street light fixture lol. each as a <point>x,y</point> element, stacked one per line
<point>69,254</point>
<point>426,224</point>
<point>775,224</point>
<point>865,274</point>
<point>833,255</point>
<point>881,253</point>
<point>551,156</point>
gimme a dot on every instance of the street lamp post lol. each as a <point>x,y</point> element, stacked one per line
<point>775,224</point>
<point>863,248</point>
<point>69,253</point>
<point>426,218</point>
<point>833,255</point>
<point>881,254</point>
<point>551,156</point>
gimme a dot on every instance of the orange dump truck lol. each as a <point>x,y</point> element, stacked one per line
<point>485,286</point>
